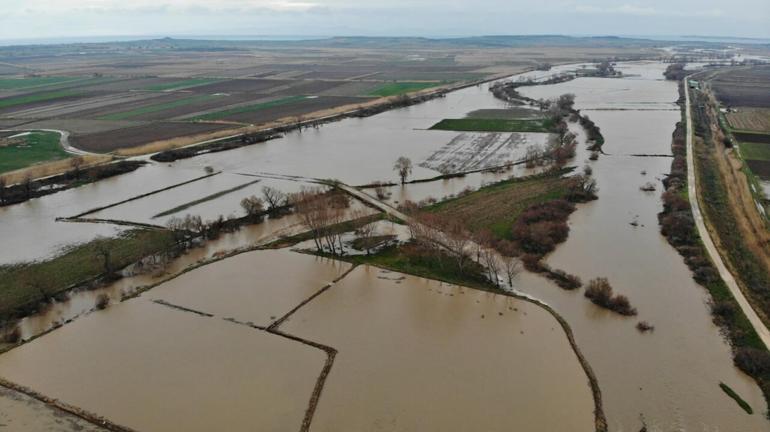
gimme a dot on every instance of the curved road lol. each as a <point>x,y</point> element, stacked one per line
<point>692,190</point>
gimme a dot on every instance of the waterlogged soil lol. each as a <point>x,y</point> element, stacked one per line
<point>416,354</point>
<point>670,376</point>
<point>150,367</point>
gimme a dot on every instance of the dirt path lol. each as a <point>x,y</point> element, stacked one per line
<point>705,235</point>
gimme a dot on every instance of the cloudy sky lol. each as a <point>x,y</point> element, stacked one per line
<point>25,19</point>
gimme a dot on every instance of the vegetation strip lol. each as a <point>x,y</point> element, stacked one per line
<point>204,199</point>
<point>134,198</point>
<point>218,115</point>
<point>495,125</point>
<point>183,84</point>
<point>396,89</point>
<point>739,400</point>
<point>149,109</point>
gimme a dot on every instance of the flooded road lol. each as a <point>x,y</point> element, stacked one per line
<point>670,376</point>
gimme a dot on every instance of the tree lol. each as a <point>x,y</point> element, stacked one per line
<point>511,268</point>
<point>3,183</point>
<point>253,206</point>
<point>76,163</point>
<point>365,233</point>
<point>27,183</point>
<point>274,198</point>
<point>404,167</point>
<point>104,254</point>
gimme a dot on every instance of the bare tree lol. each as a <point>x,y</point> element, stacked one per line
<point>511,268</point>
<point>253,206</point>
<point>77,163</point>
<point>3,183</point>
<point>365,233</point>
<point>274,198</point>
<point>404,167</point>
<point>312,212</point>
<point>27,183</point>
<point>104,254</point>
<point>491,260</point>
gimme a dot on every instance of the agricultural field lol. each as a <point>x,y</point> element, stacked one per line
<point>125,94</point>
<point>18,152</point>
<point>495,125</point>
<point>753,119</point>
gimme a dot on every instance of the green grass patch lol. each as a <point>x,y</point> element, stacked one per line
<point>31,82</point>
<point>434,266</point>
<point>742,403</point>
<point>204,199</point>
<point>219,115</point>
<point>495,125</point>
<point>496,207</point>
<point>755,151</point>
<point>149,109</point>
<point>31,149</point>
<point>37,97</point>
<point>22,286</point>
<point>187,83</point>
<point>395,89</point>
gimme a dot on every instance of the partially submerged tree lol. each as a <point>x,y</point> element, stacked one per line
<point>76,163</point>
<point>253,206</point>
<point>404,167</point>
<point>274,198</point>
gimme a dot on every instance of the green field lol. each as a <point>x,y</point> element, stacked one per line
<point>33,148</point>
<point>37,97</point>
<point>401,88</point>
<point>755,151</point>
<point>149,109</point>
<point>23,285</point>
<point>219,115</point>
<point>495,125</point>
<point>25,83</point>
<point>176,85</point>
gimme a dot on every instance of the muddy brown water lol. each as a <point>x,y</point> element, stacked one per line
<point>413,354</point>
<point>670,376</point>
<point>19,412</point>
<point>416,354</point>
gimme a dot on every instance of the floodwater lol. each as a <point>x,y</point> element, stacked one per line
<point>154,368</point>
<point>19,412</point>
<point>416,354</point>
<point>413,354</point>
<point>670,376</point>
<point>356,151</point>
<point>258,287</point>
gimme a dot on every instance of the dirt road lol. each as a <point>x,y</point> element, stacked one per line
<point>692,189</point>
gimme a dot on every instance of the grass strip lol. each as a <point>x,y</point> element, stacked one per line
<point>24,285</point>
<point>37,97</point>
<point>395,89</point>
<point>219,115</point>
<point>176,85</point>
<point>742,403</point>
<point>155,108</point>
<point>30,82</point>
<point>495,125</point>
<point>755,151</point>
<point>185,206</point>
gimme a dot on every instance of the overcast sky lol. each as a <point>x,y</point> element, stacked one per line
<point>25,19</point>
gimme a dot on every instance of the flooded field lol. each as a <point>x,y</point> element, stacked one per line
<point>182,365</point>
<point>416,354</point>
<point>670,376</point>
<point>19,412</point>
<point>154,368</point>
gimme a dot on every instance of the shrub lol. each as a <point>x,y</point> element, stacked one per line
<point>644,326</point>
<point>102,301</point>
<point>753,361</point>
<point>599,291</point>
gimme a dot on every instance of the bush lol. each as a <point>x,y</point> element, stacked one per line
<point>102,301</point>
<point>753,361</point>
<point>644,326</point>
<point>599,291</point>
<point>542,226</point>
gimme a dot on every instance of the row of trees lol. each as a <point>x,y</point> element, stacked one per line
<point>439,235</point>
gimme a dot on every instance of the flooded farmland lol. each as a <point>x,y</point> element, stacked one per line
<point>399,341</point>
<point>672,375</point>
<point>386,325</point>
